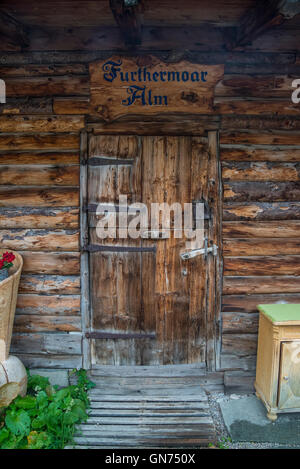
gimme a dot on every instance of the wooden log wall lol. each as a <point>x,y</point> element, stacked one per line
<point>39,207</point>
<point>261,226</point>
<point>39,193</point>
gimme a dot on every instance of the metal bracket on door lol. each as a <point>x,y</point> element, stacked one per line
<point>200,252</point>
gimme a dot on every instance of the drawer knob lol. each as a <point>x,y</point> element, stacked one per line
<point>286,378</point>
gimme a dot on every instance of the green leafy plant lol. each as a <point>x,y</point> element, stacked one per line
<point>46,418</point>
<point>222,444</point>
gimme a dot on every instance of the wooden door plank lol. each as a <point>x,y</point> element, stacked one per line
<point>198,283</point>
<point>214,263</point>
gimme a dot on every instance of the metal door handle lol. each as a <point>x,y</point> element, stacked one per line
<point>200,252</point>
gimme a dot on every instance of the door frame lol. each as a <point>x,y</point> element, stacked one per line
<point>215,263</point>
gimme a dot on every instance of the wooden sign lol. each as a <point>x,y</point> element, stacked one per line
<point>146,86</point>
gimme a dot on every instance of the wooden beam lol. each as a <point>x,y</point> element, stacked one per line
<point>265,15</point>
<point>129,17</point>
<point>12,33</point>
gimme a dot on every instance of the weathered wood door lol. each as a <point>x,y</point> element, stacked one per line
<point>148,305</point>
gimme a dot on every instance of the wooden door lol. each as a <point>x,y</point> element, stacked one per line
<point>148,306</point>
<point>289,382</point>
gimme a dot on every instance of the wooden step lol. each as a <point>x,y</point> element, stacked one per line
<point>145,412</point>
<point>149,371</point>
<point>148,406</point>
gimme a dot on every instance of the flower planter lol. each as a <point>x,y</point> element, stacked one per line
<point>8,300</point>
<point>3,274</point>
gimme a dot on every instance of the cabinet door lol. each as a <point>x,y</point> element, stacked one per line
<point>289,379</point>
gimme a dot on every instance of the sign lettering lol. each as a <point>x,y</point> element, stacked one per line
<point>144,85</point>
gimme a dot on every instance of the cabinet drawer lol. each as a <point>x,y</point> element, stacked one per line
<point>290,333</point>
<point>289,378</point>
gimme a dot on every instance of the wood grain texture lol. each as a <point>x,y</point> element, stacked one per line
<point>39,217</point>
<point>51,263</point>
<point>215,265</point>
<point>50,284</point>
<point>59,361</point>
<point>262,265</point>
<point>41,124</point>
<point>24,105</point>
<point>45,344</point>
<point>39,157</point>
<point>35,323</point>
<point>239,344</point>
<point>71,105</point>
<point>248,171</point>
<point>39,175</point>
<point>256,86</point>
<point>267,284</point>
<point>206,38</point>
<point>261,123</point>
<point>235,362</point>
<point>39,142</point>
<point>256,107</point>
<point>246,191</point>
<point>40,240</point>
<point>240,323</point>
<point>261,247</point>
<point>190,125</point>
<point>31,70</point>
<point>262,138</point>
<point>46,196</point>
<point>261,229</point>
<point>269,211</point>
<point>248,303</point>
<point>47,86</point>
<point>276,154</point>
<point>48,305</point>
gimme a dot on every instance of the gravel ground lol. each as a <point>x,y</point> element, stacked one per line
<point>222,433</point>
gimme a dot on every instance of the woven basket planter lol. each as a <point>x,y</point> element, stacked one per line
<point>8,300</point>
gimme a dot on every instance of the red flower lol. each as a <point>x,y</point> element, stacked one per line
<point>8,257</point>
<point>7,260</point>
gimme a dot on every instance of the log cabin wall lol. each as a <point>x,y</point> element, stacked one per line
<point>261,246</point>
<point>39,153</point>
<point>39,208</point>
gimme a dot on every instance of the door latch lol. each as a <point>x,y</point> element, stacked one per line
<point>200,252</point>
